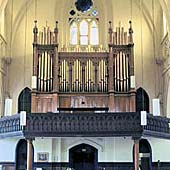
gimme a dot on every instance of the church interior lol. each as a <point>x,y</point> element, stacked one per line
<point>84,85</point>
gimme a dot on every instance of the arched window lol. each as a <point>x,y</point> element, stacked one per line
<point>73,33</point>
<point>94,33</point>
<point>142,100</point>
<point>84,27</point>
<point>83,32</point>
<point>24,100</point>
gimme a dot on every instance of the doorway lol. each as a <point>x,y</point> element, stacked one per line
<point>145,155</point>
<point>83,157</point>
<point>21,155</point>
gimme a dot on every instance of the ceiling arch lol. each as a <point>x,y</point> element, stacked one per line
<point>166,8</point>
<point>148,18</point>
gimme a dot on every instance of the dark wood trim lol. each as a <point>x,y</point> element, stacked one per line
<point>106,165</point>
<point>84,109</point>
<point>84,124</point>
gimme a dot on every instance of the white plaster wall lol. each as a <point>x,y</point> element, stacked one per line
<point>160,149</point>
<point>109,149</point>
<point>7,149</point>
<point>42,145</point>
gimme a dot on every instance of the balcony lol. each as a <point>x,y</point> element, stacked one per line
<point>84,124</point>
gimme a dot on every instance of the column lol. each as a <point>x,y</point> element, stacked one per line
<point>1,105</point>
<point>2,95</point>
<point>136,154</point>
<point>110,82</point>
<point>29,154</point>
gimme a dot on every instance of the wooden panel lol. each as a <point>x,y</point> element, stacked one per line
<point>84,100</point>
<point>44,102</point>
<point>124,103</point>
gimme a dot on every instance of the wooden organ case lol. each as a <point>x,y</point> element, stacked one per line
<point>83,78</point>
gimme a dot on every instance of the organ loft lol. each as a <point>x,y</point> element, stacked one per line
<point>86,78</point>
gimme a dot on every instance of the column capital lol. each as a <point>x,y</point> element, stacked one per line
<point>136,138</point>
<point>30,140</point>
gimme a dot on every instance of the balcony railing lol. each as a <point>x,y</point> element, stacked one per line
<point>84,124</point>
<point>10,126</point>
<point>157,126</point>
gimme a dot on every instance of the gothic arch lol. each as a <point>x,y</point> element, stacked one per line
<point>85,141</point>
<point>83,156</point>
<point>24,100</point>
<point>21,155</point>
<point>142,100</point>
<point>145,155</point>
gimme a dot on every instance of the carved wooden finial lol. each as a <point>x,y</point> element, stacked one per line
<point>130,33</point>
<point>110,32</point>
<point>110,27</point>
<point>110,24</point>
<point>56,33</point>
<point>56,27</point>
<point>130,29</point>
<point>35,30</point>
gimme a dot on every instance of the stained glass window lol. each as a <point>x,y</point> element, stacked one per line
<point>73,33</point>
<point>94,34</point>
<point>83,32</point>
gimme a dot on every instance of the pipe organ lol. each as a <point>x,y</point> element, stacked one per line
<point>98,79</point>
<point>45,71</point>
<point>87,73</point>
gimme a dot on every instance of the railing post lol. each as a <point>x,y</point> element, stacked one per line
<point>158,164</point>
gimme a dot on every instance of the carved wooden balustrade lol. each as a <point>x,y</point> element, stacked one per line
<point>10,125</point>
<point>84,124</point>
<point>158,126</point>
